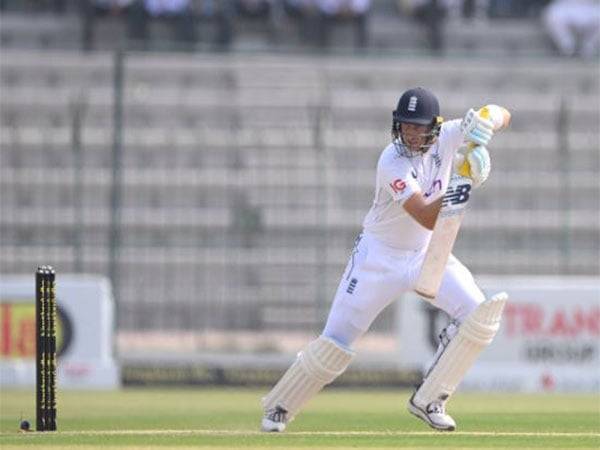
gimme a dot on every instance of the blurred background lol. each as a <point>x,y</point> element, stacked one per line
<point>210,163</point>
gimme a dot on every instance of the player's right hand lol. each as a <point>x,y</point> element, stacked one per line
<point>473,163</point>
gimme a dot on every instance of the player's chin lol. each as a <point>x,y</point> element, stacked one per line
<point>418,149</point>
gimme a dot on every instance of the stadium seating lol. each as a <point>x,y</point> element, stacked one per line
<point>246,177</point>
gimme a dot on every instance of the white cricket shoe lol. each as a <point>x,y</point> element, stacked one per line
<point>433,414</point>
<point>274,420</point>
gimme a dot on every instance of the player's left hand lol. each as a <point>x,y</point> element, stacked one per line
<point>477,129</point>
<point>474,163</point>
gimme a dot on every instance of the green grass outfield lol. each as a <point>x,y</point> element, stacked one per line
<point>228,419</point>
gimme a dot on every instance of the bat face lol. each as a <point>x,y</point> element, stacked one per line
<point>444,235</point>
<point>445,231</point>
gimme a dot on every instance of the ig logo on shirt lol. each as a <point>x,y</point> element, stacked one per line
<point>398,186</point>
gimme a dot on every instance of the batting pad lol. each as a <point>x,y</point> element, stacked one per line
<point>475,333</point>
<point>321,362</point>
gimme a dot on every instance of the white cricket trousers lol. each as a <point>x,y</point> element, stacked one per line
<point>377,274</point>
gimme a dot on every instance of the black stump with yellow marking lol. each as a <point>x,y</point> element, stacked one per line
<point>45,318</point>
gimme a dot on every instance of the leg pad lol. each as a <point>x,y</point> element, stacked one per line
<point>317,365</point>
<point>475,333</point>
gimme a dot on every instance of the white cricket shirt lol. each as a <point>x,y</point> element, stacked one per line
<point>399,177</point>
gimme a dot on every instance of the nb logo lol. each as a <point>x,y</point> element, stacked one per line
<point>458,195</point>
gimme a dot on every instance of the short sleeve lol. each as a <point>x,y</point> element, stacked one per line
<point>399,180</point>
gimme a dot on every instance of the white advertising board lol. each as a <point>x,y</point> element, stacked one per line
<point>549,339</point>
<point>84,333</point>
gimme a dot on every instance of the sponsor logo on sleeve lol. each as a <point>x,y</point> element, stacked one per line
<point>398,186</point>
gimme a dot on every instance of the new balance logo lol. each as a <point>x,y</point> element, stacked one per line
<point>352,286</point>
<point>412,104</point>
<point>457,196</point>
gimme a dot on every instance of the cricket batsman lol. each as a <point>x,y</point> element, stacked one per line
<point>413,173</point>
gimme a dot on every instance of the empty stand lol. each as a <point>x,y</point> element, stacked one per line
<point>245,178</point>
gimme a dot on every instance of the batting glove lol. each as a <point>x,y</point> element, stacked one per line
<point>474,163</point>
<point>476,129</point>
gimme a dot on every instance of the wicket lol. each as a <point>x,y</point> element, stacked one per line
<point>45,379</point>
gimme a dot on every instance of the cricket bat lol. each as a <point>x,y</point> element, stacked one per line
<point>444,234</point>
<point>454,205</point>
